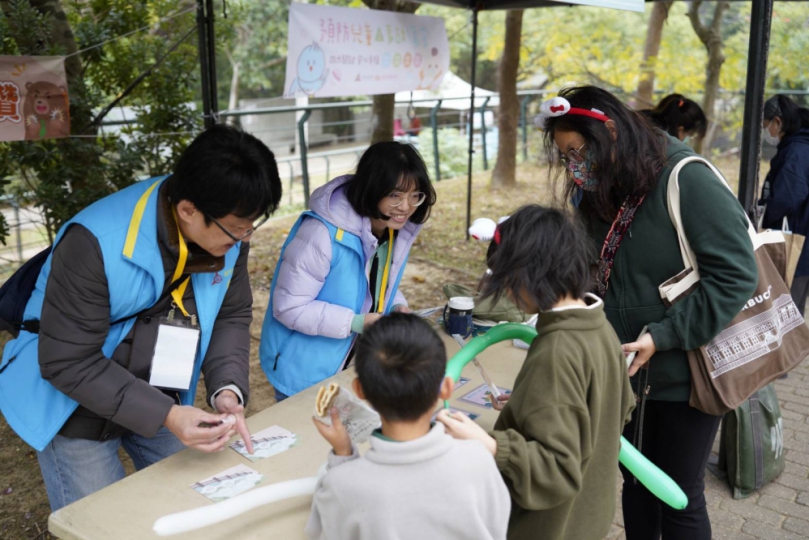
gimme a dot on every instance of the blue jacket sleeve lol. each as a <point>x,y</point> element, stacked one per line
<point>790,185</point>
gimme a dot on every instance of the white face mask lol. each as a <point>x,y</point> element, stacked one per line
<point>770,138</point>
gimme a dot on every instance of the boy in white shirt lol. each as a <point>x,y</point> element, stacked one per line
<point>416,482</point>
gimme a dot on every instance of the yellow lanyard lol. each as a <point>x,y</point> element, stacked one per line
<point>177,294</point>
<point>385,274</point>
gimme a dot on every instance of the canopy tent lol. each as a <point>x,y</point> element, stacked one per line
<point>760,23</point>
<point>453,92</point>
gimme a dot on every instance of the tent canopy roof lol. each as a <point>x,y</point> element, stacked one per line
<point>488,5</point>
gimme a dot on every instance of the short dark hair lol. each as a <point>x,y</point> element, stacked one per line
<point>677,111</point>
<point>227,171</point>
<point>793,116</point>
<point>384,167</point>
<point>543,253</point>
<point>400,362</point>
<point>626,166</point>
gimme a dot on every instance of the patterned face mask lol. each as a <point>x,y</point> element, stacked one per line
<point>583,173</point>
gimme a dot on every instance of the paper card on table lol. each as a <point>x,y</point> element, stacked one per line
<point>461,381</point>
<point>228,483</point>
<point>480,396</point>
<point>471,415</point>
<point>267,442</point>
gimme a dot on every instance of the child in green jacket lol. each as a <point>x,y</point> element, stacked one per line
<point>557,439</point>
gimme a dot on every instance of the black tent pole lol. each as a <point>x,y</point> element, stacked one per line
<point>203,64</point>
<point>760,22</point>
<point>471,121</point>
<point>209,15</point>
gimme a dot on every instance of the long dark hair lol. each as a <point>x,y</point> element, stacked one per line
<point>793,117</point>
<point>677,111</point>
<point>626,166</point>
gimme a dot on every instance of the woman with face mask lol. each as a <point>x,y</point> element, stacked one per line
<point>786,188</point>
<point>621,165</point>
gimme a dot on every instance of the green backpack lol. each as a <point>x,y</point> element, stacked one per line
<point>751,449</point>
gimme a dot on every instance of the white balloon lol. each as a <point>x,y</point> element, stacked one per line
<point>198,518</point>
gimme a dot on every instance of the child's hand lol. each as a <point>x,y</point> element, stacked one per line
<point>499,402</point>
<point>335,434</point>
<point>461,426</point>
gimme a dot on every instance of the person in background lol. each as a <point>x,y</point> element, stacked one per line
<point>623,166</point>
<point>415,481</point>
<point>341,265</point>
<point>785,192</point>
<point>678,116</point>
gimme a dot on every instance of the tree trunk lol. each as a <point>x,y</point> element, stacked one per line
<point>644,95</point>
<point>382,117</point>
<point>508,120</point>
<point>383,107</point>
<point>711,37</point>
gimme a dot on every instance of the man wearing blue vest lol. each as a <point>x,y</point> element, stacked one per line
<point>145,289</point>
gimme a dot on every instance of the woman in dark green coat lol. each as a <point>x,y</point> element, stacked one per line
<point>617,169</point>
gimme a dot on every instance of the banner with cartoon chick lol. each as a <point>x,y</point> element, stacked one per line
<point>344,52</point>
<point>33,98</point>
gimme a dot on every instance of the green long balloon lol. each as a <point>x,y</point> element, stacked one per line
<point>655,480</point>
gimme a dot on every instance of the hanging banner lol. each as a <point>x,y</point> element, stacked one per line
<point>33,98</point>
<point>625,5</point>
<point>336,51</point>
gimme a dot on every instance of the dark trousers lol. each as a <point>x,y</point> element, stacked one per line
<point>799,290</point>
<point>678,439</point>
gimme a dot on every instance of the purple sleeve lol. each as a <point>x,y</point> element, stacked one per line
<point>304,267</point>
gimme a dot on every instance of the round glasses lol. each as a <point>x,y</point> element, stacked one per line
<point>258,222</point>
<point>413,199</point>
<point>572,155</point>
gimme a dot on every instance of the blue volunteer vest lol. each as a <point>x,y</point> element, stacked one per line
<point>36,410</point>
<point>294,361</point>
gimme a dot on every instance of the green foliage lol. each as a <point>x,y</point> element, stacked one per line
<point>62,176</point>
<point>253,39</point>
<point>453,147</point>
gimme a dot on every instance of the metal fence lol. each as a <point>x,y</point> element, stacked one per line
<point>299,131</point>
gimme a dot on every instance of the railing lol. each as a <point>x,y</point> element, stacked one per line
<point>28,234</point>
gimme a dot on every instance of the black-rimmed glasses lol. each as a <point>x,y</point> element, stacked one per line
<point>258,222</point>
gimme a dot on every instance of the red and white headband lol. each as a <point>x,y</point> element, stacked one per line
<point>559,106</point>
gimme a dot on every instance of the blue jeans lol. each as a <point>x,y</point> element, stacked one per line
<point>280,396</point>
<point>75,468</point>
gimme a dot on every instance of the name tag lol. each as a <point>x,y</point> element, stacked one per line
<point>174,355</point>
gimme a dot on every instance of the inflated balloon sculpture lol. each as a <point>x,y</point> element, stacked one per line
<point>655,480</point>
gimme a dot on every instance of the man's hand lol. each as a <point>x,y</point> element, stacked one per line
<point>335,434</point>
<point>645,346</point>
<point>461,426</point>
<point>228,402</point>
<point>401,308</point>
<point>184,421</point>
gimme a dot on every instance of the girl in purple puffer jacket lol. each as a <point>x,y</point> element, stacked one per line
<point>341,265</point>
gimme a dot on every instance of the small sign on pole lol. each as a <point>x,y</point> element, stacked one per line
<point>34,102</point>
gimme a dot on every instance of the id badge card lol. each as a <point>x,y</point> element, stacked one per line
<point>174,355</point>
